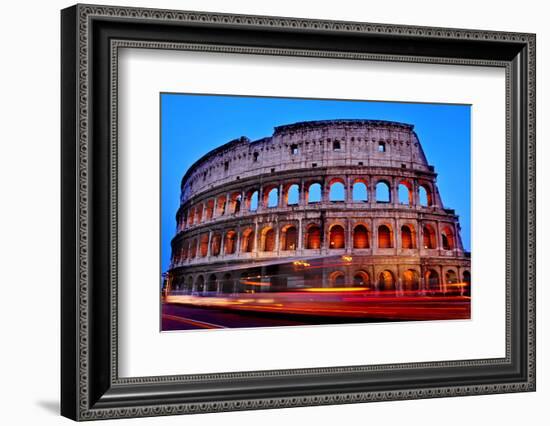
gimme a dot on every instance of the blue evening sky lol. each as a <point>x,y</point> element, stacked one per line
<point>192,125</point>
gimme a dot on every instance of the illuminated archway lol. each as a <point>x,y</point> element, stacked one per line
<point>386,281</point>
<point>215,244</point>
<point>247,241</point>
<point>289,238</point>
<point>313,237</point>
<point>428,237</point>
<point>361,279</point>
<point>383,193</point>
<point>447,238</point>
<point>230,242</point>
<point>410,280</point>
<point>408,239</point>
<point>432,280</point>
<point>385,237</point>
<point>337,239</point>
<point>360,237</point>
<point>337,279</point>
<point>268,239</point>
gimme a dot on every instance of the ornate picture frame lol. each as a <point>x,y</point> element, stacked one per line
<point>91,37</point>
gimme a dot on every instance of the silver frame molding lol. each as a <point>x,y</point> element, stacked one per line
<point>91,39</point>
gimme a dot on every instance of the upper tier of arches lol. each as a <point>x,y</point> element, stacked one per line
<point>308,145</point>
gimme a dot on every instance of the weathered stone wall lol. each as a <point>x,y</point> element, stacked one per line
<point>316,145</point>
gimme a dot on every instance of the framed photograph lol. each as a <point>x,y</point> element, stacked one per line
<point>263,212</point>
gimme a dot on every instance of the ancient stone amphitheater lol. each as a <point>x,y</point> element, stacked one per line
<point>331,203</point>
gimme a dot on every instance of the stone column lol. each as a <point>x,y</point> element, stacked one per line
<point>209,242</point>
<point>394,192</point>
<point>416,194</point>
<point>302,195</point>
<point>222,244</point>
<point>256,238</point>
<point>371,191</point>
<point>238,242</point>
<point>281,200</point>
<point>228,205</point>
<point>277,237</point>
<point>399,283</point>
<point>324,192</point>
<point>260,199</point>
<point>349,236</point>
<point>439,239</point>
<point>348,186</point>
<point>300,236</point>
<point>243,198</point>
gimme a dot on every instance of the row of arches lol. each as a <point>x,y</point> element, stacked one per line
<point>288,239</point>
<point>385,281</point>
<point>289,194</point>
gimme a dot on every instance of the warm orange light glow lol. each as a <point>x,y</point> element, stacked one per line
<point>333,289</point>
<point>347,258</point>
<point>255,283</point>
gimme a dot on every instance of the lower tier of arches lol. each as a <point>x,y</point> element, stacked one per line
<point>452,277</point>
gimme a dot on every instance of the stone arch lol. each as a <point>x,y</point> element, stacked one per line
<point>451,277</point>
<point>193,249</point>
<point>247,240</point>
<point>204,245</point>
<point>185,249</point>
<point>361,278</point>
<point>189,286</point>
<point>410,280</point>
<point>385,236</point>
<point>271,196</point>
<point>429,240</point>
<point>405,192</point>
<point>361,237</point>
<point>292,194</point>
<point>289,238</point>
<point>431,278</point>
<point>215,244</point>
<point>313,236</point>
<point>199,283</point>
<point>337,279</point>
<point>337,237</point>
<point>227,283</point>
<point>447,238</point>
<point>198,213</point>
<point>408,237</point>
<point>314,193</point>
<point>267,239</point>
<point>383,191</point>
<point>236,202</point>
<point>337,191</point>
<point>191,217</point>
<point>221,201</point>
<point>212,284</point>
<point>209,209</point>
<point>425,194</point>
<point>251,200</point>
<point>230,242</point>
<point>359,192</point>
<point>386,281</point>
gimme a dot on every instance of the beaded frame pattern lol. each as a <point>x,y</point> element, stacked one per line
<point>87,12</point>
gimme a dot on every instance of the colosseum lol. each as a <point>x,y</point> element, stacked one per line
<point>332,203</point>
